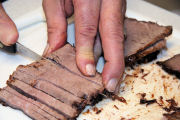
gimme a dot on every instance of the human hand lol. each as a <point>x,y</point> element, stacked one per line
<point>8,30</point>
<point>91,17</point>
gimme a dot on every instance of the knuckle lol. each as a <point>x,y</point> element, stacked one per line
<point>56,28</point>
<point>117,35</point>
<point>87,30</point>
<point>114,29</point>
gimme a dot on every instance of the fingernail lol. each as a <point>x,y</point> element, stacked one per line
<point>46,50</point>
<point>90,69</point>
<point>111,85</point>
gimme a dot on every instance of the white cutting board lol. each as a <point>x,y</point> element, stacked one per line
<point>32,29</point>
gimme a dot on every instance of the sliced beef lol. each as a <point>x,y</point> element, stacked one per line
<point>66,58</point>
<point>33,111</point>
<point>43,98</point>
<point>38,104</point>
<point>50,88</point>
<point>172,65</point>
<point>143,38</point>
<point>48,71</point>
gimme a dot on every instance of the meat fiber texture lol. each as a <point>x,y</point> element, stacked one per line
<point>50,89</point>
<point>172,65</point>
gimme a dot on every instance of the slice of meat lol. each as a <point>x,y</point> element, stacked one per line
<point>50,89</point>
<point>43,98</point>
<point>143,38</point>
<point>38,104</point>
<point>47,71</point>
<point>66,58</point>
<point>28,108</point>
<point>147,55</point>
<point>171,65</point>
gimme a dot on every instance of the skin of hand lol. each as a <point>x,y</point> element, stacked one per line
<point>94,20</point>
<point>8,30</point>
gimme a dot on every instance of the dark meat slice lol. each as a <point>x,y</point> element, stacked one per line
<point>143,38</point>
<point>48,71</point>
<point>66,57</point>
<point>173,116</point>
<point>43,98</point>
<point>28,108</point>
<point>50,89</point>
<point>172,65</point>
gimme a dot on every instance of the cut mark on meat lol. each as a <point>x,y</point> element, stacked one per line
<point>52,84</point>
<point>36,99</point>
<point>64,67</point>
<point>62,80</point>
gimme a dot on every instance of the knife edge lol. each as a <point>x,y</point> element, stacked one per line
<point>21,49</point>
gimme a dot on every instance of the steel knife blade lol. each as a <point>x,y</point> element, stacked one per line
<point>22,50</point>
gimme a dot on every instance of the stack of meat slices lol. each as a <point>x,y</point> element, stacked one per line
<point>53,88</point>
<point>49,89</point>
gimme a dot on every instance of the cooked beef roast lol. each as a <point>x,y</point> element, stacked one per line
<point>142,39</point>
<point>172,65</point>
<point>54,88</point>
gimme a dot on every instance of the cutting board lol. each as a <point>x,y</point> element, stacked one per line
<point>32,30</point>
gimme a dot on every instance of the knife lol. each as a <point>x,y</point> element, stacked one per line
<point>21,49</point>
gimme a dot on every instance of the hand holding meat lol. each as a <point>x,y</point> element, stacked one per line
<point>91,17</point>
<point>94,19</point>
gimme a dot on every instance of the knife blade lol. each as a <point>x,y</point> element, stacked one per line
<point>21,49</point>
